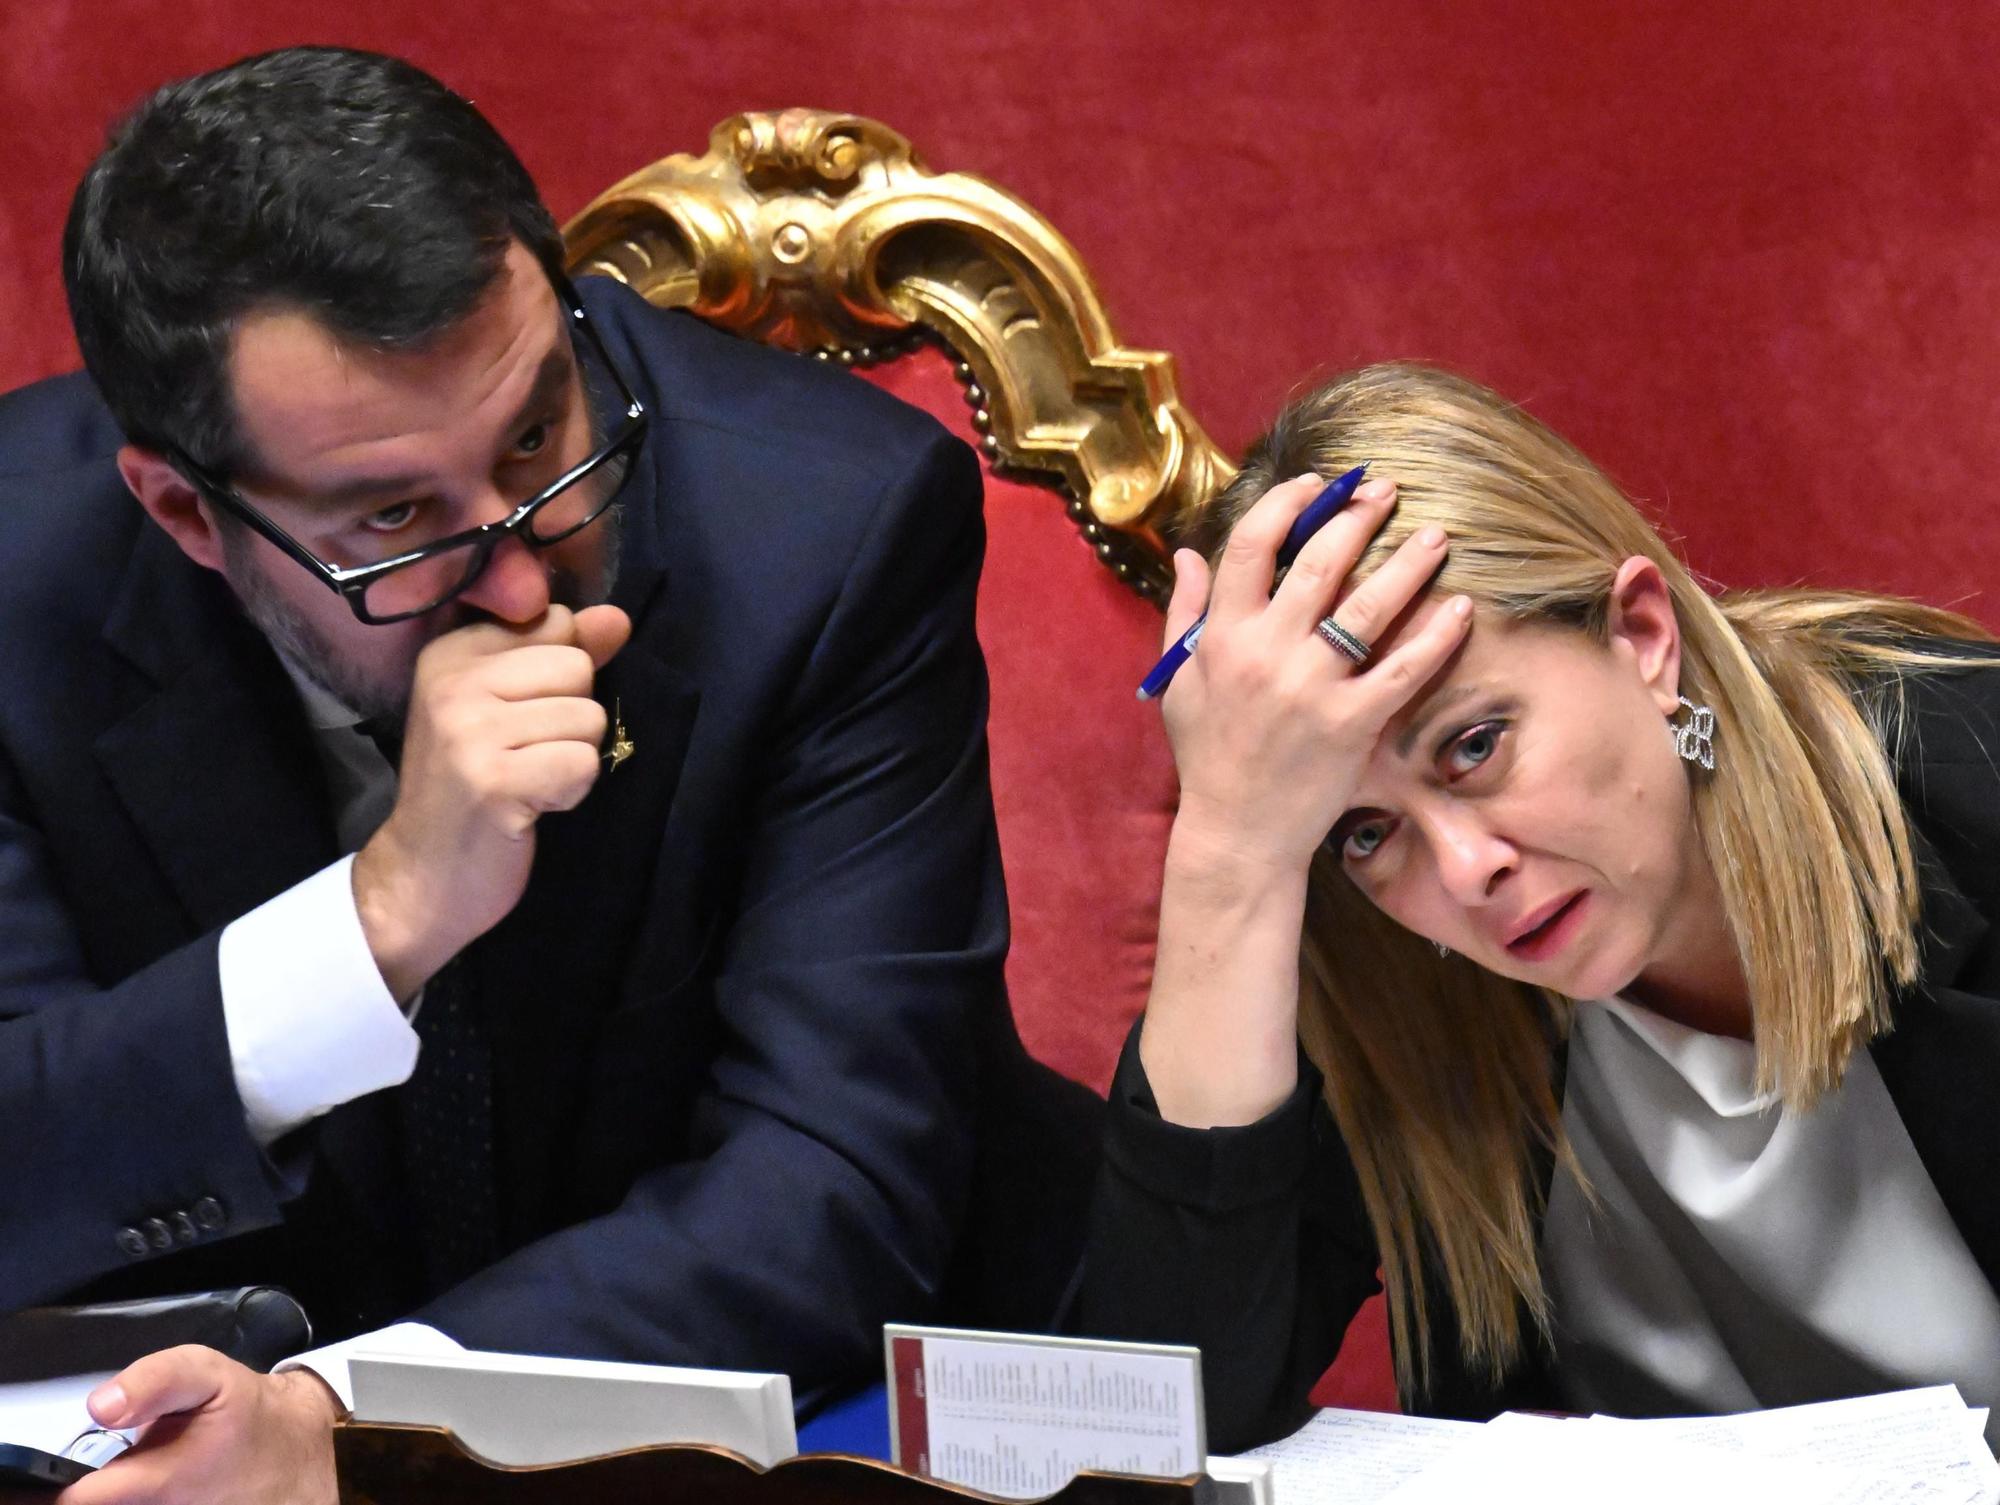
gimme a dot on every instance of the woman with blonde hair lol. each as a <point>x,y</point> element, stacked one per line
<point>1601,959</point>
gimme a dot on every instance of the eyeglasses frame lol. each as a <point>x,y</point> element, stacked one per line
<point>352,582</point>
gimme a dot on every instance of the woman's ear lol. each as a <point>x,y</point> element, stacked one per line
<point>1642,627</point>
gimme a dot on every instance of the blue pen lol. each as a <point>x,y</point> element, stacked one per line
<point>1319,512</point>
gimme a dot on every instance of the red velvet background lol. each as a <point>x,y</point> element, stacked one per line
<point>1748,255</point>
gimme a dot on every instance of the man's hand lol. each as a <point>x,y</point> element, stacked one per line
<point>501,730</point>
<point>215,1433</point>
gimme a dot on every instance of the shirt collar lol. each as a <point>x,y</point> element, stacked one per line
<point>325,711</point>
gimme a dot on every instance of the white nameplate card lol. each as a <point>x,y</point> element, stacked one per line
<point>1020,1416</point>
<point>512,1409</point>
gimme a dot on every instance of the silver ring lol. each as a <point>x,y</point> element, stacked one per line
<point>1343,642</point>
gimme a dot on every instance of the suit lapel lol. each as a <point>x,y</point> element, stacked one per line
<point>1937,1060</point>
<point>215,768</point>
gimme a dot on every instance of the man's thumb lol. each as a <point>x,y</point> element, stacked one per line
<point>601,631</point>
<point>172,1380</point>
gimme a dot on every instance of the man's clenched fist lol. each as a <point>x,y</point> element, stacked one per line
<point>502,729</point>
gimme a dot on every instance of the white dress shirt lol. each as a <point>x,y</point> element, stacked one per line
<point>1740,1255</point>
<point>311,1024</point>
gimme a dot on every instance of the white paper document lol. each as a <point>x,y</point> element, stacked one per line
<point>1913,1447</point>
<point>1356,1457</point>
<point>48,1414</point>
<point>1517,1460</point>
<point>1021,1416</point>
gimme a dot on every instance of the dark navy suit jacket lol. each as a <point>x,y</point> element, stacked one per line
<point>749,1009</point>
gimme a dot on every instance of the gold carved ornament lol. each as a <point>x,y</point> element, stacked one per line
<point>825,233</point>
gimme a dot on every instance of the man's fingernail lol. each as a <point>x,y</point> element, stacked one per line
<point>108,1403</point>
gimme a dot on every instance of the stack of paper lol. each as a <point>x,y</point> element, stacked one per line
<point>1358,1457</point>
<point>1919,1447</point>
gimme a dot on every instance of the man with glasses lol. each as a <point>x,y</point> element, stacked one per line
<point>632,669</point>
<point>588,401</point>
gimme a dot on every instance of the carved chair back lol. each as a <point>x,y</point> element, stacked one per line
<point>826,234</point>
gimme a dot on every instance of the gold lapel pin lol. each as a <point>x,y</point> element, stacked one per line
<point>622,746</point>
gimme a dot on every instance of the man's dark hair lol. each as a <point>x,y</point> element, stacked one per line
<point>348,186</point>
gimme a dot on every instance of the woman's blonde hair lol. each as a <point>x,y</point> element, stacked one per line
<point>1440,1074</point>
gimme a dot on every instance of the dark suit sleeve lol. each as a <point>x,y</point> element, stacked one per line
<point>1250,1243</point>
<point>859,979</point>
<point>124,1136</point>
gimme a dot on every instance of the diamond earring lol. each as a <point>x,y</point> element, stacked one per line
<point>1443,949</point>
<point>1694,739</point>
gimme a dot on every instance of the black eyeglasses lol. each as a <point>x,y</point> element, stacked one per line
<point>423,579</point>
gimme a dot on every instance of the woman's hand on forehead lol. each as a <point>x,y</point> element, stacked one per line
<point>1272,721</point>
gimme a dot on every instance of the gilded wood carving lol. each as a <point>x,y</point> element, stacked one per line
<point>826,233</point>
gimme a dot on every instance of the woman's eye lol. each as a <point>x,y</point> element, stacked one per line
<point>1474,748</point>
<point>391,519</point>
<point>1363,839</point>
<point>533,441</point>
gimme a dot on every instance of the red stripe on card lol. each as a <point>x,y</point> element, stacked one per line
<point>913,1429</point>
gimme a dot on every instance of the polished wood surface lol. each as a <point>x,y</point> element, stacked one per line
<point>380,1464</point>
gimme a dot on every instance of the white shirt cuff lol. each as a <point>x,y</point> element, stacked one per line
<point>408,1339</point>
<point>311,1024</point>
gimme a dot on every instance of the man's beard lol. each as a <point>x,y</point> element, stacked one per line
<point>299,641</point>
